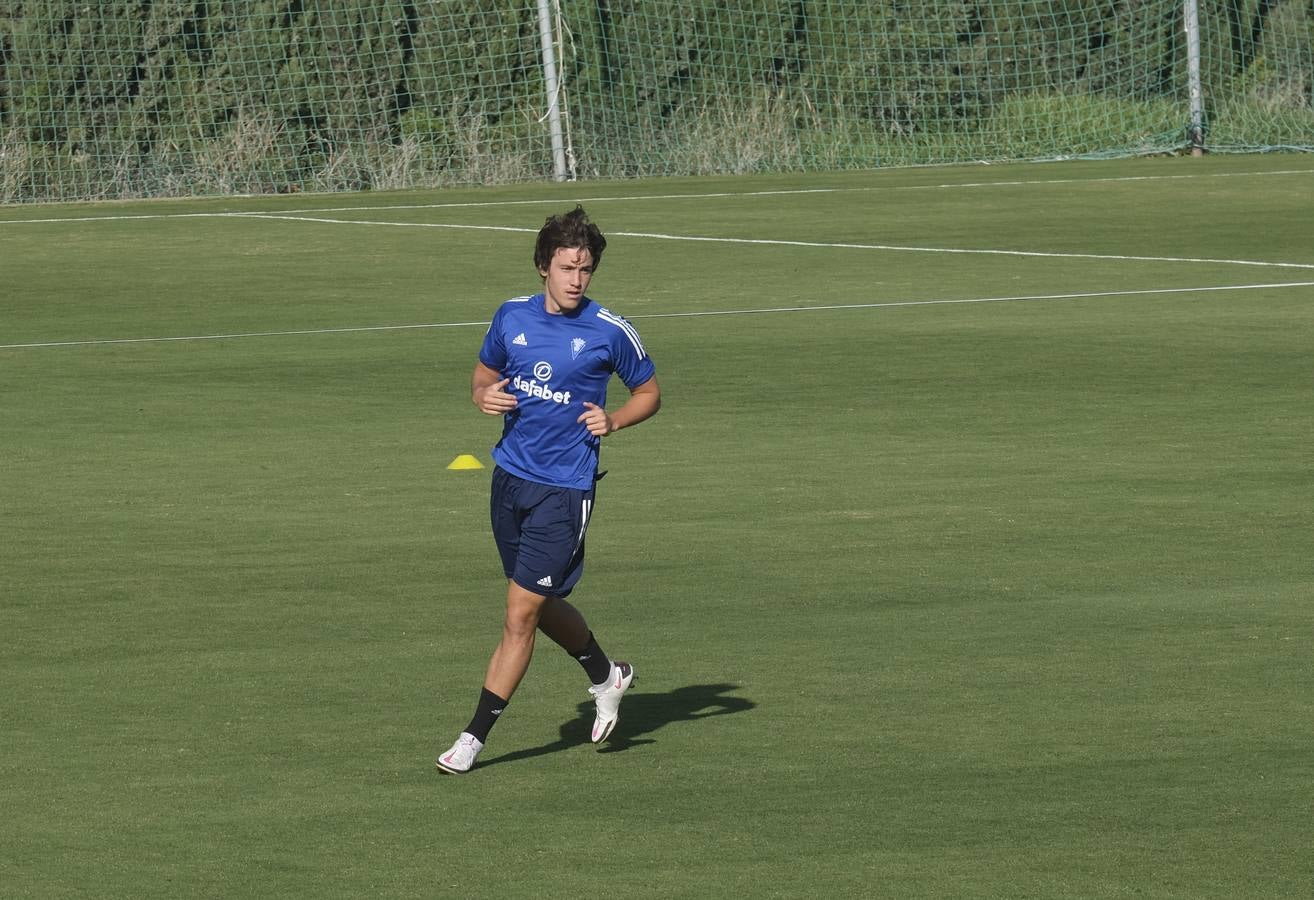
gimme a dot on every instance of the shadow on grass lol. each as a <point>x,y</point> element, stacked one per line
<point>641,715</point>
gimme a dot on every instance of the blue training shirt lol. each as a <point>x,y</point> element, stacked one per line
<point>555,363</point>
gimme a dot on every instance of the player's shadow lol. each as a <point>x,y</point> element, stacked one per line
<point>641,715</point>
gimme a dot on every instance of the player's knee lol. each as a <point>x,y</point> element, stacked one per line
<point>523,611</point>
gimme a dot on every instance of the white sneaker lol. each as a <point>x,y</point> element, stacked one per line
<point>461,758</point>
<point>609,697</point>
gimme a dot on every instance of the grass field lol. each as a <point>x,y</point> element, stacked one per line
<point>947,573</point>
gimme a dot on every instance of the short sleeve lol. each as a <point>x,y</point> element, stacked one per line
<point>493,351</point>
<point>630,360</point>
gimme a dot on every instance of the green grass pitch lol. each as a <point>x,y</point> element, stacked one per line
<point>945,573</point>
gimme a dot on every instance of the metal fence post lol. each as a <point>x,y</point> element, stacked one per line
<point>1191,17</point>
<point>553,86</point>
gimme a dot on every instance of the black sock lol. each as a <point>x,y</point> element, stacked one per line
<point>486,713</point>
<point>594,661</point>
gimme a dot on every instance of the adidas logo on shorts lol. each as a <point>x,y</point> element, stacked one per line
<point>545,581</point>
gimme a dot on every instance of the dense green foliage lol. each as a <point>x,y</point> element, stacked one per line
<point>133,97</point>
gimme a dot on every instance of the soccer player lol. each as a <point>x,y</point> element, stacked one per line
<point>544,367</point>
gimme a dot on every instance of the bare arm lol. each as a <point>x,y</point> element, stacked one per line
<point>644,402</point>
<point>486,390</point>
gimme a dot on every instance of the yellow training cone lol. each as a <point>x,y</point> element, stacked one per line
<point>465,461</point>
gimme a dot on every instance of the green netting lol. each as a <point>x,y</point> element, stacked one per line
<point>167,98</point>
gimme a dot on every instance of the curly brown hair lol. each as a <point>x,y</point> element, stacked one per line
<point>568,230</point>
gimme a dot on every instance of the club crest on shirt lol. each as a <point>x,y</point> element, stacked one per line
<point>576,345</point>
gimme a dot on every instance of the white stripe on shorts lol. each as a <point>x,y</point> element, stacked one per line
<point>585,507</point>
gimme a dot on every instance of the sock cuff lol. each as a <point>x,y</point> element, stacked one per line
<point>596,664</point>
<point>493,700</point>
<point>590,647</point>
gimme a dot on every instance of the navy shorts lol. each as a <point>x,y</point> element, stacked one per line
<point>539,531</point>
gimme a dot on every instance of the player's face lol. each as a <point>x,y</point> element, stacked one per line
<point>566,278</point>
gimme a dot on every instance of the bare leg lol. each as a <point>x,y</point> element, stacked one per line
<point>564,624</point>
<point>510,660</point>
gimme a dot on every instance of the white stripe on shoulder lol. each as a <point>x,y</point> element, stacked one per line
<point>524,299</point>
<point>609,316</point>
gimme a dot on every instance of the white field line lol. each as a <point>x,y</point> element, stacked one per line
<point>684,315</point>
<point>944,186</point>
<point>243,334</point>
<point>893,248</point>
<point>634,198</point>
<point>900,248</point>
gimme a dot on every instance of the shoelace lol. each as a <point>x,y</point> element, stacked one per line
<point>464,747</point>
